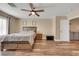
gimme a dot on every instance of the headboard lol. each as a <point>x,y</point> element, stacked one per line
<point>30,28</point>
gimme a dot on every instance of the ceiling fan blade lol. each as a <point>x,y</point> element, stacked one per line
<point>39,10</point>
<point>31,5</point>
<point>30,14</point>
<point>25,10</point>
<point>37,14</point>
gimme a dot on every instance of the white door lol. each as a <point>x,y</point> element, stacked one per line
<point>64,30</point>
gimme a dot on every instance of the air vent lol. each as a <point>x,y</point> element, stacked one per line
<point>12,4</point>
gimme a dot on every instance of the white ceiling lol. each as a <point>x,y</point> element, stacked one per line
<point>51,9</point>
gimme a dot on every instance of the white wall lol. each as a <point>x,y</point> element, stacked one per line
<point>73,14</point>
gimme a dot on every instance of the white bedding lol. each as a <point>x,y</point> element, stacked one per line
<point>21,36</point>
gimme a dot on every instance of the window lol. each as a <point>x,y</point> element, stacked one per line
<point>3,26</point>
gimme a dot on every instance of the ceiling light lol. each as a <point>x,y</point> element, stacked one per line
<point>33,13</point>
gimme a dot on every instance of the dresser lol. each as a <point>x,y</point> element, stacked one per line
<point>38,36</point>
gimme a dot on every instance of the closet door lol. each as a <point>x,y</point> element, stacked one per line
<point>71,35</point>
<point>74,36</point>
<point>64,30</point>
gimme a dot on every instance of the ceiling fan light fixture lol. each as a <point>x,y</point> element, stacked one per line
<point>33,13</point>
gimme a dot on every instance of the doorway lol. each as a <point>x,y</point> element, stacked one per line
<point>74,29</point>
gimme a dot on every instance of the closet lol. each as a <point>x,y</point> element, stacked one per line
<point>74,35</point>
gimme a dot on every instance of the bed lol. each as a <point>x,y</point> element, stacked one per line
<point>21,40</point>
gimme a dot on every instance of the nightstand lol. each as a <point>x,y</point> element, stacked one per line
<point>38,36</point>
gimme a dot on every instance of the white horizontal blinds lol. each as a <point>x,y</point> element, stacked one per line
<point>3,26</point>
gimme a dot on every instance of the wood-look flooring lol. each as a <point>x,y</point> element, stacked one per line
<point>48,48</point>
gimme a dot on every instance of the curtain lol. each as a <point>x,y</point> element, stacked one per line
<point>3,25</point>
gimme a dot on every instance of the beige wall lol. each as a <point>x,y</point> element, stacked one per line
<point>14,25</point>
<point>54,27</point>
<point>44,26</point>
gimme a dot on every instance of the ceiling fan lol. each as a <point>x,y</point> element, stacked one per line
<point>33,10</point>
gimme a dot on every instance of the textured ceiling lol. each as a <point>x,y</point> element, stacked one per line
<point>51,9</point>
